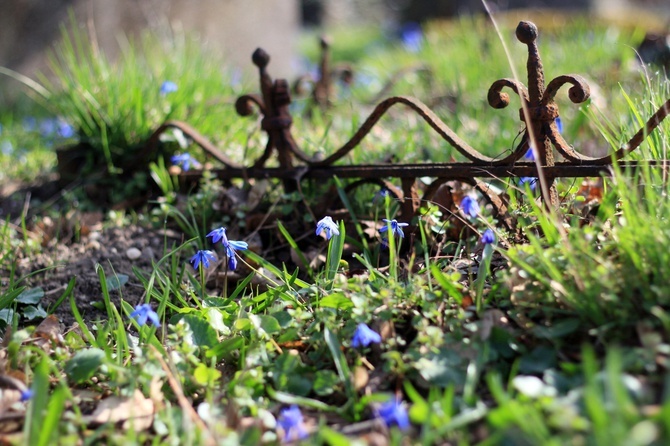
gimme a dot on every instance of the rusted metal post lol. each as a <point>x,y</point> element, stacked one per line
<point>538,114</point>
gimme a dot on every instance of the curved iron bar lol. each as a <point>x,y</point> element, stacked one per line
<point>578,93</point>
<point>635,142</point>
<point>243,104</point>
<point>197,138</point>
<point>498,99</point>
<point>384,184</point>
<point>426,113</point>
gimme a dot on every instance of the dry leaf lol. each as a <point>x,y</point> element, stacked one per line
<point>136,412</point>
<point>493,318</point>
<point>47,332</point>
<point>361,378</point>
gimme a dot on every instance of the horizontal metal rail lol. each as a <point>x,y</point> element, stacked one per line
<point>538,111</point>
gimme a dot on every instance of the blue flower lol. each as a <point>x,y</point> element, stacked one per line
<point>29,123</point>
<point>411,36</point>
<point>230,245</point>
<point>47,127</point>
<point>469,206</point>
<point>530,156</point>
<point>488,237</point>
<point>396,228</point>
<point>219,234</point>
<point>329,226</point>
<point>168,87</point>
<point>394,412</point>
<point>231,248</point>
<point>184,160</point>
<point>143,313</point>
<point>380,196</point>
<point>26,395</point>
<point>531,181</point>
<point>6,147</point>
<point>65,130</point>
<point>291,422</point>
<point>202,256</point>
<point>559,124</point>
<point>364,336</point>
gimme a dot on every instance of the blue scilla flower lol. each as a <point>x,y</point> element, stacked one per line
<point>219,234</point>
<point>396,228</point>
<point>168,87</point>
<point>185,160</point>
<point>29,124</point>
<point>364,336</point>
<point>380,196</point>
<point>531,181</point>
<point>530,156</point>
<point>411,36</point>
<point>26,395</point>
<point>48,127</point>
<point>393,412</point>
<point>329,226</point>
<point>559,124</point>
<point>231,248</point>
<point>488,237</point>
<point>469,206</point>
<point>202,256</point>
<point>6,147</point>
<point>64,129</point>
<point>144,313</point>
<point>292,423</point>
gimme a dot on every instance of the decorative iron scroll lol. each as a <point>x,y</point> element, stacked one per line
<point>537,99</point>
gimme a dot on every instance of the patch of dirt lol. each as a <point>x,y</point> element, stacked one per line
<point>109,248</point>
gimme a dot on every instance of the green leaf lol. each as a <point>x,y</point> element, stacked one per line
<point>265,324</point>
<point>8,298</point>
<point>243,324</point>
<point>558,330</point>
<point>325,382</point>
<point>204,375</point>
<point>33,312</point>
<point>31,296</point>
<point>537,361</point>
<point>84,364</point>
<point>287,398</point>
<point>337,301</point>
<point>442,369</point>
<point>226,347</point>
<point>334,438</point>
<point>6,315</point>
<point>203,333</point>
<point>335,248</point>
<point>340,360</point>
<point>52,420</point>
<point>117,281</point>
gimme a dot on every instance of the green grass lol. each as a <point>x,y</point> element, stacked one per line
<point>561,339</point>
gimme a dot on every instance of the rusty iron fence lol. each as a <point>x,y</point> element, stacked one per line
<point>538,112</point>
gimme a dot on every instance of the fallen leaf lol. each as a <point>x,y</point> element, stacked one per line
<point>136,412</point>
<point>361,378</point>
<point>49,331</point>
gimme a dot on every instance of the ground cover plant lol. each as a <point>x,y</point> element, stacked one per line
<point>237,313</point>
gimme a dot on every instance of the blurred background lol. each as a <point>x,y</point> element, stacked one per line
<point>234,28</point>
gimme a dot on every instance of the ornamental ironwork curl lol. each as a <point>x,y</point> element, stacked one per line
<point>538,112</point>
